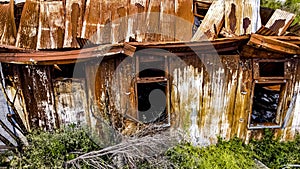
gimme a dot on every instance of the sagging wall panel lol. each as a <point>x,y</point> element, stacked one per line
<point>208,88</point>
<point>71,101</point>
<point>39,96</point>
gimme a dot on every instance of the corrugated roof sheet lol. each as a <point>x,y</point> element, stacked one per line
<point>7,24</point>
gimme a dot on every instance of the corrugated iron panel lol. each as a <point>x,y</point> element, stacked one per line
<point>73,21</point>
<point>51,25</point>
<point>184,20</point>
<point>38,96</point>
<point>28,30</point>
<point>8,31</point>
<point>280,21</point>
<point>201,85</point>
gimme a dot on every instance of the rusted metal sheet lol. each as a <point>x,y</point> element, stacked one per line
<point>280,21</point>
<point>38,96</point>
<point>204,90</point>
<point>71,101</point>
<point>251,16</point>
<point>28,29</point>
<point>51,25</point>
<point>140,20</point>
<point>212,22</point>
<point>73,22</point>
<point>8,31</point>
<point>184,19</point>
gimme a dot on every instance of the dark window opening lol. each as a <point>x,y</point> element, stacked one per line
<point>271,69</point>
<point>69,71</point>
<point>267,100</point>
<point>152,102</point>
<point>151,66</point>
<point>152,73</point>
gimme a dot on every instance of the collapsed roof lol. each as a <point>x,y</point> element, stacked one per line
<point>71,24</point>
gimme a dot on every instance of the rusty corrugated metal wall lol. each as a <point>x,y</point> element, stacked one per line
<point>210,96</point>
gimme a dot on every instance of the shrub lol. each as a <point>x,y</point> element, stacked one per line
<point>52,149</point>
<point>226,154</point>
<point>276,154</point>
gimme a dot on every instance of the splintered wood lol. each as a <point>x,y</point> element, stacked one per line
<point>212,22</point>
<point>280,21</point>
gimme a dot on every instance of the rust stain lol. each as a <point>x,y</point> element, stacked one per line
<point>246,24</point>
<point>232,18</point>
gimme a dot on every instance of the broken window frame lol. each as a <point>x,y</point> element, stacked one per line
<point>157,79</point>
<point>257,79</point>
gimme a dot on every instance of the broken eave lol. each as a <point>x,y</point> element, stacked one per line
<point>203,47</point>
<point>64,57</point>
<point>61,57</point>
<point>278,44</point>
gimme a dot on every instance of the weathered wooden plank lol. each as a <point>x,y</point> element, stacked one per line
<point>272,44</point>
<point>280,21</point>
<point>28,29</point>
<point>212,22</point>
<point>251,52</point>
<point>51,25</point>
<point>73,21</point>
